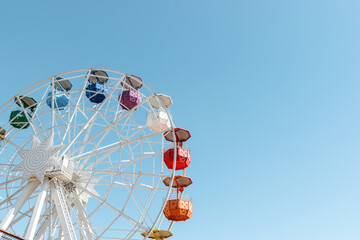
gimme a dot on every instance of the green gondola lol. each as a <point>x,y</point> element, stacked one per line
<point>18,119</point>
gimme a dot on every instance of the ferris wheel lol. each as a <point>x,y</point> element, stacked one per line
<point>91,154</point>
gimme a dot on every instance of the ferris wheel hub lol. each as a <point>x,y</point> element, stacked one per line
<point>62,171</point>
<point>37,159</point>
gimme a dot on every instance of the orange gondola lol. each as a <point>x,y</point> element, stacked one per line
<point>178,209</point>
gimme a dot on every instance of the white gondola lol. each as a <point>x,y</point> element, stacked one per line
<point>158,120</point>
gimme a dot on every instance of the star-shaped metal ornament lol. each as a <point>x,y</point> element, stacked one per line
<point>38,158</point>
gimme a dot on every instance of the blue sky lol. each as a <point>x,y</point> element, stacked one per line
<point>268,89</point>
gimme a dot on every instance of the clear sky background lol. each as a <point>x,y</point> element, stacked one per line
<point>269,90</point>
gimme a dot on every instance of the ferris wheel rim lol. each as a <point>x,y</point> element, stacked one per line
<point>69,72</point>
<point>172,126</point>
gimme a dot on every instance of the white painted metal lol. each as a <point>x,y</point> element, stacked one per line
<point>84,219</point>
<point>116,158</point>
<point>25,194</point>
<point>63,210</point>
<point>27,116</point>
<point>46,223</point>
<point>37,210</point>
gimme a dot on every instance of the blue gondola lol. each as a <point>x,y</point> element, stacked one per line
<point>61,99</point>
<point>96,92</point>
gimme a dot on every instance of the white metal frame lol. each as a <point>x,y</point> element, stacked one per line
<point>118,166</point>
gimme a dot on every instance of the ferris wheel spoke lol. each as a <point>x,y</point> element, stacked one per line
<point>23,215</point>
<point>35,131</point>
<point>42,100</point>
<point>109,111</point>
<point>12,143</point>
<point>5,170</point>
<point>37,210</point>
<point>125,185</point>
<point>9,181</point>
<point>12,138</point>
<point>60,117</point>
<point>150,200</point>
<point>118,163</point>
<point>145,146</point>
<point>36,116</point>
<point>84,219</point>
<point>87,135</point>
<point>97,109</point>
<point>111,147</point>
<point>13,156</point>
<point>134,230</point>
<point>101,181</point>
<point>85,125</point>
<point>146,208</point>
<point>11,197</point>
<point>141,177</point>
<point>124,173</point>
<point>45,224</point>
<point>79,108</point>
<point>125,125</point>
<point>108,227</point>
<point>110,206</point>
<point>106,130</point>
<point>140,158</point>
<point>97,160</point>
<point>25,194</point>
<point>118,112</point>
<point>36,119</point>
<point>133,125</point>
<point>131,191</point>
<point>52,106</point>
<point>112,223</point>
<point>76,108</point>
<point>10,204</point>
